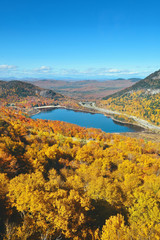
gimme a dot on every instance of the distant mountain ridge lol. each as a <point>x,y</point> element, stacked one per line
<point>23,89</point>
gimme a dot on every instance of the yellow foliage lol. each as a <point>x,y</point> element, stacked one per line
<point>115,229</point>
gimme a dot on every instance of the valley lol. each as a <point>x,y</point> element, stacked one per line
<point>49,165</point>
<point>85,89</point>
<point>17,95</point>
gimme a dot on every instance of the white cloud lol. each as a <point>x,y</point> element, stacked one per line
<point>43,69</point>
<point>98,72</point>
<point>7,67</point>
<point>92,72</point>
<point>112,70</point>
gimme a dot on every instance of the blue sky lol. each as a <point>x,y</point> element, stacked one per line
<point>79,39</point>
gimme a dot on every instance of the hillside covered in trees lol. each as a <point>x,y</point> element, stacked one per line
<point>141,100</point>
<point>25,96</point>
<point>23,89</point>
<point>61,181</point>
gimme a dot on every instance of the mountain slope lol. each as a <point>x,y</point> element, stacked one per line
<point>151,82</point>
<point>141,100</point>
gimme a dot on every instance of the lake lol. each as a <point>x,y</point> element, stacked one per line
<point>84,119</point>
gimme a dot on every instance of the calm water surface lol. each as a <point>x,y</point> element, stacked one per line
<point>85,120</point>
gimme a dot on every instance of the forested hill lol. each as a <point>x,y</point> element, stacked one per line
<point>151,82</point>
<point>141,100</point>
<point>23,89</point>
<point>25,96</point>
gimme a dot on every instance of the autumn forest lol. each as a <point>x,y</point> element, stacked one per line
<point>61,181</point>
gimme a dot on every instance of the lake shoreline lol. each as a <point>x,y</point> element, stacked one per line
<point>138,122</point>
<point>38,110</point>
